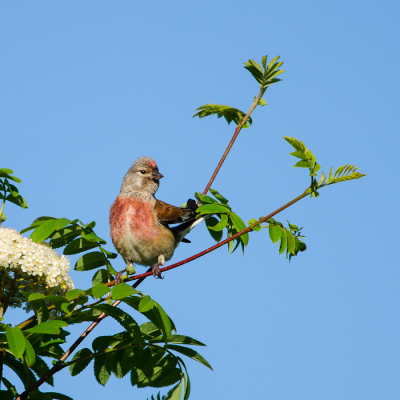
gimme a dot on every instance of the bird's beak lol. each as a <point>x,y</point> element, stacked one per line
<point>156,176</point>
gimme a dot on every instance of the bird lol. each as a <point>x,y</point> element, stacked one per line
<point>139,223</point>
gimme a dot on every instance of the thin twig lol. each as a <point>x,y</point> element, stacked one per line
<point>235,135</point>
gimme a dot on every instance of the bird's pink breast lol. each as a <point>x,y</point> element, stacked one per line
<point>132,216</point>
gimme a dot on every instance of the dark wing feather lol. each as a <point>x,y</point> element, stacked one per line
<point>168,214</point>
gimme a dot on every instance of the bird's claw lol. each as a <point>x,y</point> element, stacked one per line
<point>119,278</point>
<point>156,271</point>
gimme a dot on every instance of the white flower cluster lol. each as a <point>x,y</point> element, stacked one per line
<point>34,262</point>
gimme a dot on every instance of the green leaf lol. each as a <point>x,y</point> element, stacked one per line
<point>99,290</point>
<point>123,290</point>
<point>79,245</point>
<point>43,231</point>
<point>264,62</point>
<point>78,367</point>
<point>102,369</point>
<point>190,353</point>
<point>290,243</point>
<point>274,233</point>
<point>302,164</point>
<point>206,199</point>
<point>109,254</point>
<point>178,339</point>
<point>30,356</point>
<point>7,395</point>
<point>16,341</point>
<point>122,318</point>
<point>239,226</point>
<point>101,276</point>
<point>262,102</point>
<point>175,392</point>
<point>73,294</point>
<point>298,145</point>
<point>283,244</point>
<point>17,200</point>
<point>49,327</point>
<point>3,217</point>
<point>90,236</point>
<point>64,236</point>
<point>62,223</point>
<point>89,261</point>
<point>229,113</point>
<point>299,154</point>
<point>219,196</point>
<point>165,321</point>
<point>221,225</point>
<point>211,222</point>
<point>146,304</point>
<point>7,175</point>
<point>39,306</point>
<point>212,209</point>
<point>6,171</point>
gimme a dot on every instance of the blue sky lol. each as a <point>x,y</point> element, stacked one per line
<point>87,87</point>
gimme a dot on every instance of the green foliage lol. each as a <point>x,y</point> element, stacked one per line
<point>307,160</point>
<point>288,238</point>
<point>229,113</point>
<point>76,237</point>
<point>267,75</point>
<point>9,192</point>
<point>224,218</point>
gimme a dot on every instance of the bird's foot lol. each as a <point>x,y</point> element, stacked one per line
<point>118,277</point>
<point>156,271</point>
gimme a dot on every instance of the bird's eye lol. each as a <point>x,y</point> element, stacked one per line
<point>143,171</point>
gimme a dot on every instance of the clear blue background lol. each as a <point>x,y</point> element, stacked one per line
<point>87,87</point>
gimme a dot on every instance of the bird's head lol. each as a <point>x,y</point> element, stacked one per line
<point>142,176</point>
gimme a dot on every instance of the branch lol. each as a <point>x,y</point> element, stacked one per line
<point>220,244</point>
<point>235,135</point>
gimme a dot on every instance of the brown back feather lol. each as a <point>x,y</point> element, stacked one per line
<point>168,214</point>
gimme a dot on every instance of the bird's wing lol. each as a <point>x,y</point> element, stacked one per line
<point>168,214</point>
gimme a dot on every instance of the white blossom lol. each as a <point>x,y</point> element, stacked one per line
<point>39,268</point>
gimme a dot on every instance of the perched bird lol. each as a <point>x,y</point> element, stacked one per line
<point>139,222</point>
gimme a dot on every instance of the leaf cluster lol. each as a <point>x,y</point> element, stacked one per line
<point>307,160</point>
<point>229,113</point>
<point>223,218</point>
<point>150,352</point>
<point>75,237</point>
<point>267,75</point>
<point>9,192</point>
<point>289,237</point>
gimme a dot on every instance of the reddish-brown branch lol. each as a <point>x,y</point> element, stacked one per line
<point>216,246</point>
<point>235,135</point>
